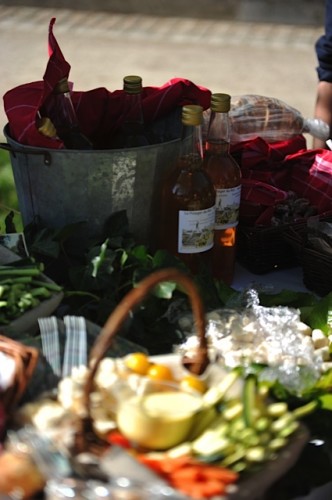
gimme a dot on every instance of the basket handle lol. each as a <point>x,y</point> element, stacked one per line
<point>40,152</point>
<point>132,299</point>
<point>26,359</point>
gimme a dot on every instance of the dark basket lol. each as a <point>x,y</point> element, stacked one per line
<point>316,265</point>
<point>25,358</point>
<point>317,271</point>
<point>264,249</point>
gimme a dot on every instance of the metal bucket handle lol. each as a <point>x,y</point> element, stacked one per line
<point>13,151</point>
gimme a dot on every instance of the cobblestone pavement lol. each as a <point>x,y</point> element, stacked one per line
<point>234,57</point>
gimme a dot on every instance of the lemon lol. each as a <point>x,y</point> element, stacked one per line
<point>138,362</point>
<point>160,372</point>
<point>191,382</point>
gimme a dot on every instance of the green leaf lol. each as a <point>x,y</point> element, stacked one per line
<point>44,243</point>
<point>165,290</point>
<point>320,315</point>
<point>227,295</point>
<point>140,253</point>
<point>326,401</point>
<point>288,298</point>
<point>210,290</point>
<point>325,381</point>
<point>98,260</point>
<point>163,259</point>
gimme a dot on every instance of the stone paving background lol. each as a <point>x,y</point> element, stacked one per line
<point>309,12</point>
<point>238,57</point>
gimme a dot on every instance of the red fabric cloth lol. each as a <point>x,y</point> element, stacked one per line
<point>265,162</point>
<point>269,171</point>
<point>258,200</point>
<point>312,177</point>
<point>98,110</point>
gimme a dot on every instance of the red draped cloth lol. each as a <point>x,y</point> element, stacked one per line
<point>270,171</point>
<point>98,110</point>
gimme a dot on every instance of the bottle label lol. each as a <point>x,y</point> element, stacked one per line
<point>196,230</point>
<point>227,207</point>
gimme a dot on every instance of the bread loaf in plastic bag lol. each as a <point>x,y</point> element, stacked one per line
<point>254,115</point>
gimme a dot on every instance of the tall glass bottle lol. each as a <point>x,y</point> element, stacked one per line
<point>60,110</point>
<point>132,131</point>
<point>226,177</point>
<point>188,199</point>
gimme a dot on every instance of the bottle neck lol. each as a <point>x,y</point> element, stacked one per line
<point>133,109</point>
<point>68,108</point>
<point>219,130</point>
<point>192,143</point>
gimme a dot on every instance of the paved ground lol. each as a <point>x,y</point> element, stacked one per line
<point>235,57</point>
<point>304,12</point>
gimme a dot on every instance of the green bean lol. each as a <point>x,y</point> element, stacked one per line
<point>19,271</point>
<point>22,288</point>
<point>46,284</point>
<point>16,279</point>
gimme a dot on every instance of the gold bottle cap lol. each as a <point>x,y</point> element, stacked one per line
<point>192,114</point>
<point>62,86</point>
<point>132,84</point>
<point>220,103</point>
<point>46,127</point>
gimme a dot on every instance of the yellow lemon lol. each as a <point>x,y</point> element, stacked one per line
<point>160,372</point>
<point>191,382</point>
<point>138,362</point>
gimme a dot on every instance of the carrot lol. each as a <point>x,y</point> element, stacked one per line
<point>172,464</point>
<point>153,463</point>
<point>116,438</point>
<point>199,470</point>
<point>193,478</point>
<point>187,473</point>
<point>223,474</point>
<point>199,489</point>
<point>212,488</point>
<point>165,464</point>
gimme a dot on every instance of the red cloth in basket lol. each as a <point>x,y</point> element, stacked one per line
<point>271,170</point>
<point>98,110</point>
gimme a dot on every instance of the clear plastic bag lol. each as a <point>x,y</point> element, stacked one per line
<point>270,118</point>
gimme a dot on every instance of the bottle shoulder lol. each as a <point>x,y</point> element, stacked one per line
<point>223,170</point>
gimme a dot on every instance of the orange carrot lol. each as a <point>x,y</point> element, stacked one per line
<point>153,463</point>
<point>193,478</point>
<point>221,473</point>
<point>165,464</point>
<point>172,464</point>
<point>115,437</point>
<point>187,473</point>
<point>199,489</point>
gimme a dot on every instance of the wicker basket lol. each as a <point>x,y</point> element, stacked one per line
<point>85,437</point>
<point>316,265</point>
<point>263,249</point>
<point>25,358</point>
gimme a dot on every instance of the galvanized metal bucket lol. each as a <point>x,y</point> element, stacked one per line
<point>61,187</point>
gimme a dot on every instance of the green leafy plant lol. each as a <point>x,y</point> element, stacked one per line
<point>96,275</point>
<point>9,214</point>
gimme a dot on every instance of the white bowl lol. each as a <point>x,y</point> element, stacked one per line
<point>155,415</point>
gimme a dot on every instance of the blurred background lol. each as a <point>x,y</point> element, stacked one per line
<point>263,47</point>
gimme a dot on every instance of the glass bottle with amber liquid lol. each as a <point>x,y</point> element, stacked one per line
<point>132,131</point>
<point>188,199</point>
<point>60,110</point>
<point>226,177</point>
